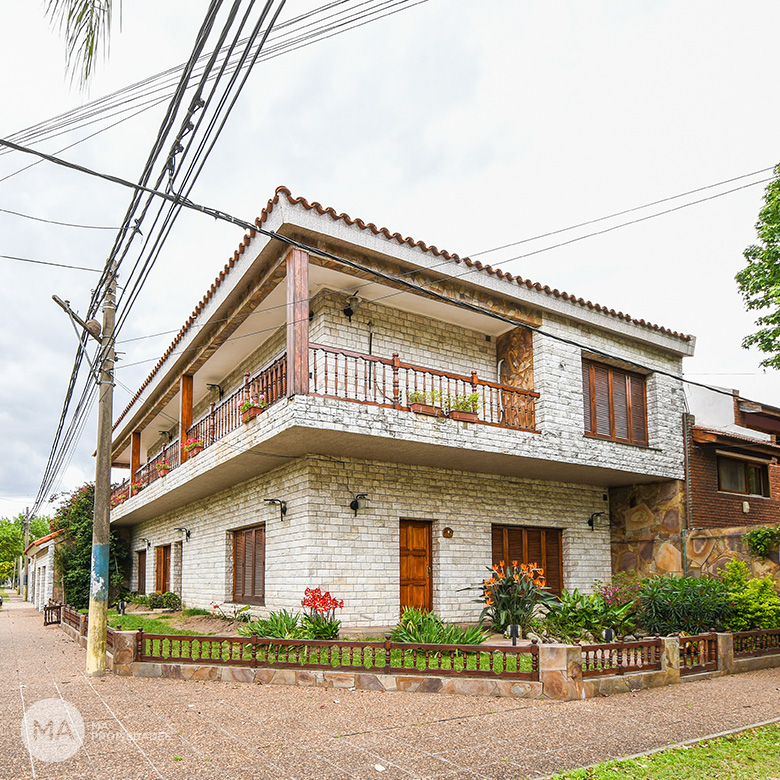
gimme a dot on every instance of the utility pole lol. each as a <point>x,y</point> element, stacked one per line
<point>101,531</point>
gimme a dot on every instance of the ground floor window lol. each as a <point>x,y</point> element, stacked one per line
<point>529,544</point>
<point>162,568</point>
<point>249,565</point>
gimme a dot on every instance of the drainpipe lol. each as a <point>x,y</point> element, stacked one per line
<point>687,421</point>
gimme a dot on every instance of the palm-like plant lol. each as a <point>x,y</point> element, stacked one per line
<point>86,25</point>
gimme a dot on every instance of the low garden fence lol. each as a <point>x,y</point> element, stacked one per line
<point>698,653</point>
<point>622,657</point>
<point>52,614</point>
<point>752,644</point>
<point>387,657</point>
<point>71,618</point>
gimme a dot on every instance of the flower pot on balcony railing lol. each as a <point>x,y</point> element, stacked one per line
<point>421,402</point>
<point>251,407</point>
<point>163,467</point>
<point>193,446</point>
<point>463,407</point>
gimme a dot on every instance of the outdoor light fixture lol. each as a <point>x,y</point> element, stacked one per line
<point>148,543</point>
<point>185,531</point>
<point>358,502</point>
<point>352,304</point>
<point>167,434</point>
<point>592,520</point>
<point>282,506</point>
<point>216,387</point>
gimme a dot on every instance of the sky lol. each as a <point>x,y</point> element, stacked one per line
<point>465,125</point>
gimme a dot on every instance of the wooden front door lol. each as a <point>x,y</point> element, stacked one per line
<point>416,581</point>
<point>162,571</point>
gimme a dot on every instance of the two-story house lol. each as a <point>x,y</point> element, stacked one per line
<point>426,417</point>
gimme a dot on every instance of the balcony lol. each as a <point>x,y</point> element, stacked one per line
<point>358,378</point>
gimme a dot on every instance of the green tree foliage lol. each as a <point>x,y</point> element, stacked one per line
<point>74,557</point>
<point>12,539</point>
<point>86,25</point>
<point>755,600</point>
<point>759,281</point>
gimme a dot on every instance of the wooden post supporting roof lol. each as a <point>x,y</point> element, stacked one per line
<point>185,410</point>
<point>297,322</point>
<point>135,455</point>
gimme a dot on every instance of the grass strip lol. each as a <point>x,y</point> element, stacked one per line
<point>749,755</point>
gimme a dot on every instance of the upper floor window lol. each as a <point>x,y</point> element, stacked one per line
<point>742,476</point>
<point>615,403</point>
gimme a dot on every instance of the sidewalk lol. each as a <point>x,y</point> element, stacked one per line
<point>184,730</point>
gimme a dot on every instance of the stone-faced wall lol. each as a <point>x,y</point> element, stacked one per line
<point>322,543</point>
<point>649,536</point>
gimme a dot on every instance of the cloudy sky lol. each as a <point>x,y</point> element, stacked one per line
<point>465,125</point>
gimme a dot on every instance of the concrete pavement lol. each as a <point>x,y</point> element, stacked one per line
<point>187,730</point>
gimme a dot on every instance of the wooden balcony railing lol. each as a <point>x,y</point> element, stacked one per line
<point>368,379</point>
<point>356,377</point>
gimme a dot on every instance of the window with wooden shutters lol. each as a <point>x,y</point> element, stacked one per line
<point>141,572</point>
<point>528,544</point>
<point>249,565</point>
<point>615,403</point>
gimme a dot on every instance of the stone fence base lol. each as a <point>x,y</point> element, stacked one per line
<point>560,673</point>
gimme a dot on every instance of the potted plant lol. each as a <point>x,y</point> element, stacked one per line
<point>163,467</point>
<point>421,402</point>
<point>251,407</point>
<point>193,446</point>
<point>118,500</point>
<point>463,407</point>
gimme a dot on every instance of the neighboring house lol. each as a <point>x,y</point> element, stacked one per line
<point>41,571</point>
<point>339,483</point>
<point>733,485</point>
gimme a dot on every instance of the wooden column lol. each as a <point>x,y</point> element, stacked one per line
<point>185,410</point>
<point>135,455</point>
<point>297,322</point>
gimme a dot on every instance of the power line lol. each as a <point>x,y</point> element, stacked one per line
<point>56,265</point>
<point>624,211</point>
<point>54,222</point>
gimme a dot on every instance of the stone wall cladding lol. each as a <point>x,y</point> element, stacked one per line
<point>423,341</point>
<point>322,543</point>
<point>560,407</point>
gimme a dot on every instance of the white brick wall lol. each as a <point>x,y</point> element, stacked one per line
<point>321,543</point>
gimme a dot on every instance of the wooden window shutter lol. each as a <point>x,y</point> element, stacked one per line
<point>587,394</point>
<point>638,410</point>
<point>620,398</point>
<point>602,395</point>
<point>529,544</point>
<point>249,565</point>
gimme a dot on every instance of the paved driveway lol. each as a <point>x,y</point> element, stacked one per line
<point>156,728</point>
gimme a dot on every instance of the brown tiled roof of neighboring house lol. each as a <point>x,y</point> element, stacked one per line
<point>421,245</point>
<point>39,542</point>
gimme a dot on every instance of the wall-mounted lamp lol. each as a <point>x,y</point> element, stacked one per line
<point>167,435</point>
<point>358,502</point>
<point>185,531</point>
<point>592,520</point>
<point>282,506</point>
<point>218,388</point>
<point>148,543</point>
<point>352,304</point>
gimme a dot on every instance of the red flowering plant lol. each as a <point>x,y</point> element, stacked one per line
<point>513,595</point>
<point>255,402</point>
<point>319,619</point>
<point>193,444</point>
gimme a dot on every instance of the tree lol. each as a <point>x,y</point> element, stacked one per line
<point>74,558</point>
<point>759,281</point>
<point>12,539</point>
<point>86,25</point>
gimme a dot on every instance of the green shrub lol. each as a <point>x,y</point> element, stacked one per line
<point>140,599</point>
<point>577,616</point>
<point>171,600</point>
<point>761,540</point>
<point>623,589</point>
<point>671,605</point>
<point>278,625</point>
<point>155,601</point>
<point>756,602</point>
<point>419,626</point>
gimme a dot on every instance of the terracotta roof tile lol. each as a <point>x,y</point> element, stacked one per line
<point>421,245</point>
